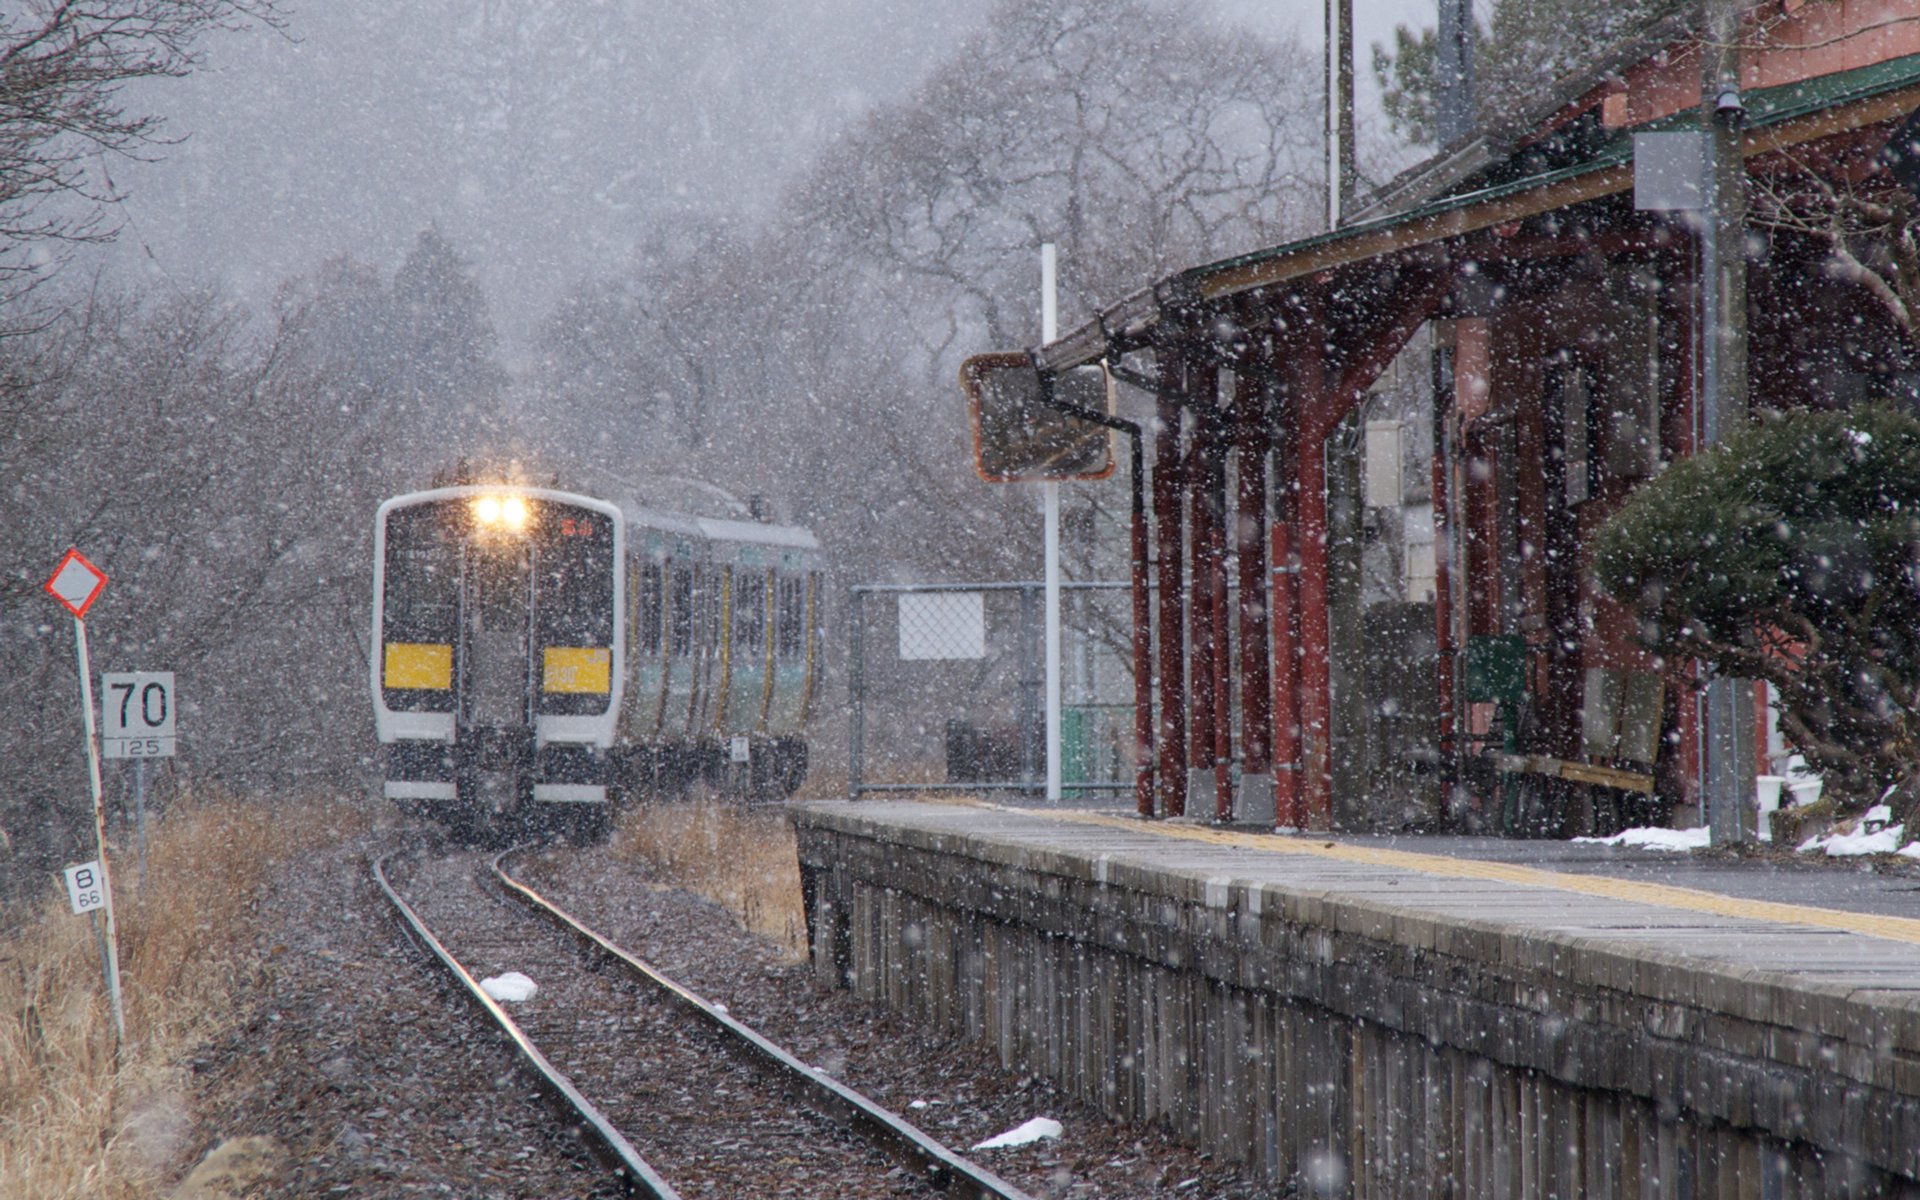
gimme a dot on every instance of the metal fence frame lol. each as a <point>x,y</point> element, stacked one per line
<point>1032,686</point>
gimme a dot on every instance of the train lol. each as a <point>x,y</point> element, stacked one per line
<point>541,657</point>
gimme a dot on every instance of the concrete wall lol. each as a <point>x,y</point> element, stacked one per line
<point>1360,1049</point>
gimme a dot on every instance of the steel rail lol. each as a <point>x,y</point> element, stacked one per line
<point>607,1142</point>
<point>942,1168</point>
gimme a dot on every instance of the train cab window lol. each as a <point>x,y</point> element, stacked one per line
<point>574,590</point>
<point>575,586</point>
<point>649,608</point>
<point>790,616</point>
<point>422,595</point>
<point>750,611</point>
<point>680,612</point>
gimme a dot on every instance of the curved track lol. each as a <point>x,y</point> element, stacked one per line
<point>715,1108</point>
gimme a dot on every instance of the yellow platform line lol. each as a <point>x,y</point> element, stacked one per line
<point>1663,895</point>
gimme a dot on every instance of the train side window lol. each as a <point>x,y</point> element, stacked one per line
<point>750,611</point>
<point>680,612</point>
<point>790,634</point>
<point>649,608</point>
<point>711,615</point>
<point>706,605</point>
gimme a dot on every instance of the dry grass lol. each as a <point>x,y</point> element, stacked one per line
<point>73,1123</point>
<point>740,858</point>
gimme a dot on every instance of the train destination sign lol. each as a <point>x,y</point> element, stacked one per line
<point>76,584</point>
<point>137,714</point>
<point>1020,433</point>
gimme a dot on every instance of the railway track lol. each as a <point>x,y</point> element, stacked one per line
<point>669,1091</point>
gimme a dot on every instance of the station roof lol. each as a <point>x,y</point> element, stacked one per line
<point>1777,118</point>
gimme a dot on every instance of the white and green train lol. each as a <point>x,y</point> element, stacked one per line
<point>542,656</point>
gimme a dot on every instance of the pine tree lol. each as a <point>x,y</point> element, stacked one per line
<point>1792,554</point>
<point>1525,47</point>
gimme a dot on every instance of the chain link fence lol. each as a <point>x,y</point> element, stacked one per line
<point>947,688</point>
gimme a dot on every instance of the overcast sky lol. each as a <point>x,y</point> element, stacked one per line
<point>548,138</point>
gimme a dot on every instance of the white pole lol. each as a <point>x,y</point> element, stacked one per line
<point>1049,329</point>
<point>100,829</point>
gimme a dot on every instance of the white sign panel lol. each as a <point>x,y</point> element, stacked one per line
<point>1668,169</point>
<point>936,625</point>
<point>85,887</point>
<point>76,584</point>
<point>136,714</point>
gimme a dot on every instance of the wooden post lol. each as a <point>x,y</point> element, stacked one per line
<point>1250,549</point>
<point>1222,748</point>
<point>1286,681</point>
<point>1202,611</point>
<point>1170,555</point>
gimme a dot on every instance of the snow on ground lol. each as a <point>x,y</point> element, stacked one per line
<point>1871,834</point>
<point>1032,1131</point>
<point>511,988</point>
<point>1654,838</point>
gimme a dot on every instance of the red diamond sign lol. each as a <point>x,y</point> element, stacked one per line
<point>76,583</point>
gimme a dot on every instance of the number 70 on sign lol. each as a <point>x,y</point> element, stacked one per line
<point>137,714</point>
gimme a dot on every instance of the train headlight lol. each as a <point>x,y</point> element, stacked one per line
<point>508,513</point>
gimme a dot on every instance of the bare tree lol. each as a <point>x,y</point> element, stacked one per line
<point>821,355</point>
<point>64,69</point>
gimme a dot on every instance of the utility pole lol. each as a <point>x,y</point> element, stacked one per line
<point>1050,500</point>
<point>1341,172</point>
<point>1454,104</point>
<point>1729,727</point>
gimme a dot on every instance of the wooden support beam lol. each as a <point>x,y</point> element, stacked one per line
<point>1169,557</point>
<point>1324,394</point>
<point>1203,610</point>
<point>1288,813</point>
<point>1250,551</point>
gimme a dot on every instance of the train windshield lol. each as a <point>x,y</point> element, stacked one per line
<point>573,608</point>
<point>420,608</point>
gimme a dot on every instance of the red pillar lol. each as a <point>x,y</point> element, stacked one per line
<point>1169,557</point>
<point>1142,543</point>
<point>1250,548</point>
<point>1316,704</point>
<point>1202,612</point>
<point>1222,625</point>
<point>1286,682</point>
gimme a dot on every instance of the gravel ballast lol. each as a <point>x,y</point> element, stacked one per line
<point>356,1057</point>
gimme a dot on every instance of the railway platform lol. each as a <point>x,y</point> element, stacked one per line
<point>1374,1017</point>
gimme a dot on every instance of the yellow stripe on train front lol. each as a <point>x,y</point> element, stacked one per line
<point>419,665</point>
<point>577,669</point>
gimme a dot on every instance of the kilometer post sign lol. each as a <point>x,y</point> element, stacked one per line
<point>137,714</point>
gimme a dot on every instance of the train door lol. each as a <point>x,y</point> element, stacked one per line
<point>497,685</point>
<point>494,736</point>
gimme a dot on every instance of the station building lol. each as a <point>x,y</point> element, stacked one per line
<point>1391,444</point>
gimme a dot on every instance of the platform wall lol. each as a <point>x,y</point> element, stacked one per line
<point>1356,1050</point>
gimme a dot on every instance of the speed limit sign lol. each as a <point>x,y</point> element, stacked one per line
<point>136,714</point>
